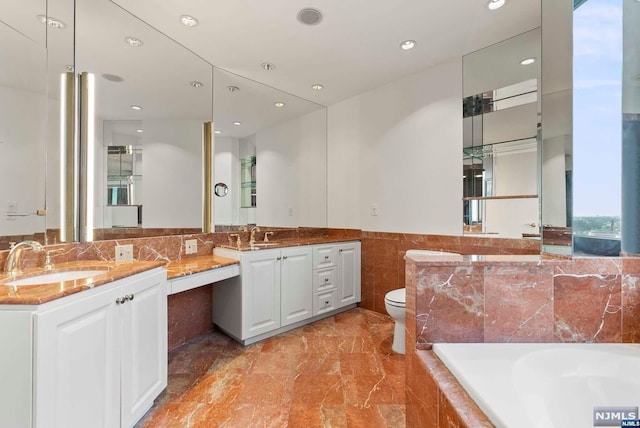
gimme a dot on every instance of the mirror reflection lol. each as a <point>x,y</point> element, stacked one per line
<point>501,117</point>
<point>23,108</point>
<point>270,150</point>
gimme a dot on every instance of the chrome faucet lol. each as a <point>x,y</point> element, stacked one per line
<point>14,259</point>
<point>254,229</point>
<point>266,236</point>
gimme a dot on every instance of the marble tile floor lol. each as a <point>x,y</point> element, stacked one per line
<point>337,372</point>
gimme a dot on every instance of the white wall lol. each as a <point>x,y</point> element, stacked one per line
<point>399,147</point>
<point>172,173</point>
<point>291,173</point>
<point>22,159</point>
<point>227,170</point>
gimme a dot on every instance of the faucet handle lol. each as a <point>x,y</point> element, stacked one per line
<point>12,244</point>
<point>48,264</point>
<point>238,240</point>
<point>266,236</point>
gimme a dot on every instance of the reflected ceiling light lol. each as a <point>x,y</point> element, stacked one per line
<point>495,4</point>
<point>527,61</point>
<point>478,176</point>
<point>217,132</point>
<point>189,20</point>
<point>133,41</point>
<point>317,87</point>
<point>233,88</point>
<point>196,84</point>
<point>136,108</point>
<point>407,45</point>
<point>279,104</point>
<point>267,66</point>
<point>139,130</point>
<point>51,22</point>
<point>237,123</point>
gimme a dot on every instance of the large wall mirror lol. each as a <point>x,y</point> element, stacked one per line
<point>270,149</point>
<point>152,97</point>
<point>501,120</point>
<point>23,113</point>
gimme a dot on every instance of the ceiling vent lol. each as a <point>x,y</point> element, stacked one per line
<point>310,16</point>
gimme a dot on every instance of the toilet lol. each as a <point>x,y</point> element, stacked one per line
<point>394,302</point>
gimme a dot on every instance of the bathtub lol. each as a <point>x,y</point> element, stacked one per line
<point>545,385</point>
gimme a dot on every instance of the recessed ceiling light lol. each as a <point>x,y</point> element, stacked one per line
<point>317,87</point>
<point>139,130</point>
<point>189,20</point>
<point>495,4</point>
<point>527,61</point>
<point>279,104</point>
<point>267,66</point>
<point>136,108</point>
<point>217,132</point>
<point>112,77</point>
<point>233,88</point>
<point>196,84</point>
<point>237,123</point>
<point>309,16</point>
<point>133,41</point>
<point>407,45</point>
<point>51,22</point>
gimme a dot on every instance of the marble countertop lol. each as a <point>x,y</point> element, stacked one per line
<point>282,243</point>
<point>198,264</point>
<point>42,293</point>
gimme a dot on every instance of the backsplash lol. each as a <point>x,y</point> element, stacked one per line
<point>525,299</point>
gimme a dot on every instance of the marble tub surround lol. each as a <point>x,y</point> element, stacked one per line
<point>42,293</point>
<point>435,398</point>
<point>383,265</point>
<point>525,299</point>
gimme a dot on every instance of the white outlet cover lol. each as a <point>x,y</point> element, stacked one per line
<point>124,253</point>
<point>374,209</point>
<point>191,246</point>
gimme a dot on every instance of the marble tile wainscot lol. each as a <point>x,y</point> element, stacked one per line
<point>508,299</point>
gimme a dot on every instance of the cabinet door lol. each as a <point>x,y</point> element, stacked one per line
<point>144,344</point>
<point>260,292</point>
<point>296,287</point>
<point>349,273</point>
<point>77,369</point>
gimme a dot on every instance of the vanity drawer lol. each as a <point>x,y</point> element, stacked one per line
<point>324,279</point>
<point>325,256</point>
<point>325,302</point>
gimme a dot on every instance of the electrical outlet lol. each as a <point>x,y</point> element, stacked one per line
<point>191,246</point>
<point>290,212</point>
<point>374,209</point>
<point>124,253</point>
<point>12,207</point>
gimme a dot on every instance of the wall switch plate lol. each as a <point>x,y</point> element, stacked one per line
<point>290,212</point>
<point>191,246</point>
<point>124,253</point>
<point>374,209</point>
<point>12,207</point>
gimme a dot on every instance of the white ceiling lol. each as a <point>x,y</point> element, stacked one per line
<point>354,49</point>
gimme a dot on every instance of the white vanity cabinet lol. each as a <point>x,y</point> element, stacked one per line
<point>336,276</point>
<point>280,289</point>
<point>99,357</point>
<point>272,291</point>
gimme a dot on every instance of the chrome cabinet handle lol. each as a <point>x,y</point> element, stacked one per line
<point>326,257</point>
<point>129,297</point>
<point>326,280</point>
<point>285,257</point>
<point>279,258</point>
<point>120,300</point>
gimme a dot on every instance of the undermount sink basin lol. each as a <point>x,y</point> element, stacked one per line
<point>47,278</point>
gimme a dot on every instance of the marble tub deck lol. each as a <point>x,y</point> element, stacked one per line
<point>337,372</point>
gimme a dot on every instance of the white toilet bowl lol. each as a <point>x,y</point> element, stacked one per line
<point>395,302</point>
